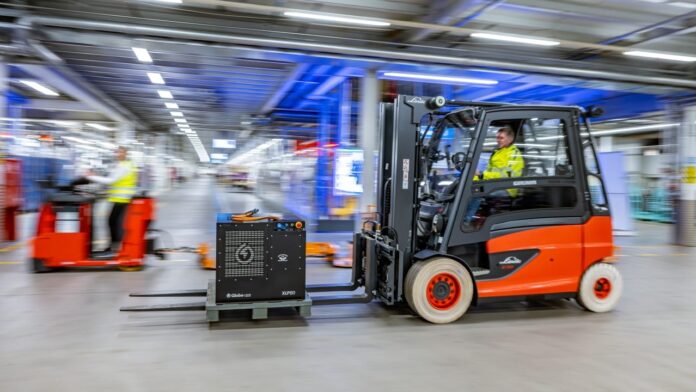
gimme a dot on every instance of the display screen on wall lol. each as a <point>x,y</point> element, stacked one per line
<point>347,172</point>
<point>224,143</point>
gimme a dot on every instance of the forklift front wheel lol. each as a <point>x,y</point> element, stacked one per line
<point>439,290</point>
<point>600,288</point>
<point>130,268</point>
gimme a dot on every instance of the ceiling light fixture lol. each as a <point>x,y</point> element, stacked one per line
<point>166,94</point>
<point>180,120</point>
<point>683,4</point>
<point>336,18</point>
<point>634,129</point>
<point>438,78</point>
<point>98,126</point>
<point>177,114</point>
<point>517,39</point>
<point>171,105</point>
<point>661,56</point>
<point>39,87</point>
<point>142,54</point>
<point>155,77</point>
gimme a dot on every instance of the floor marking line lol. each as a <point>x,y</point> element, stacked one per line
<point>12,247</point>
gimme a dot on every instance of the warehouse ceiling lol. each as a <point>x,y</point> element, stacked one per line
<point>225,61</point>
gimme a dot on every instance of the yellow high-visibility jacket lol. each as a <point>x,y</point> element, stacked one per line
<point>505,162</point>
<point>123,189</point>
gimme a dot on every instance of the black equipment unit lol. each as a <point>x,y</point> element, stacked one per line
<point>260,261</point>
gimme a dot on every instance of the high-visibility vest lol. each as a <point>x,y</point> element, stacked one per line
<point>505,162</point>
<point>123,190</point>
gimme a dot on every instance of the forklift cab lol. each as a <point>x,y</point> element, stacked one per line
<point>448,239</point>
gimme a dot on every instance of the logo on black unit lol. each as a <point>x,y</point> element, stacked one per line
<point>244,254</point>
<point>282,258</point>
<point>416,100</point>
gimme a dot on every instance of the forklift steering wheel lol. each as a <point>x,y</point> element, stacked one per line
<point>458,160</point>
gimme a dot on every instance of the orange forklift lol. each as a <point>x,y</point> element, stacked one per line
<point>448,237</point>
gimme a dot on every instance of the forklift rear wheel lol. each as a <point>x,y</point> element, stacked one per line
<point>38,266</point>
<point>600,288</point>
<point>439,290</point>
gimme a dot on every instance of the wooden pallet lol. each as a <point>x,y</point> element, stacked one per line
<point>259,309</point>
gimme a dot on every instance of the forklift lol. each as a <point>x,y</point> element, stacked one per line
<point>447,237</point>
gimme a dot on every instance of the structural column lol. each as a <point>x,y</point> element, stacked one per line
<point>4,125</point>
<point>368,137</point>
<point>686,212</point>
<point>4,78</point>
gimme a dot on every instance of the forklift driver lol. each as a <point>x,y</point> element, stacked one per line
<point>122,182</point>
<point>506,161</point>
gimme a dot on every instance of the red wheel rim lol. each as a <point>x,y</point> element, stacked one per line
<point>443,291</point>
<point>602,288</point>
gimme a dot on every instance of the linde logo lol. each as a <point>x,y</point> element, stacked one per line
<point>416,100</point>
<point>282,258</point>
<point>244,254</point>
<point>510,260</point>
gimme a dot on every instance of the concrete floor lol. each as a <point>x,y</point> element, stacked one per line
<point>63,331</point>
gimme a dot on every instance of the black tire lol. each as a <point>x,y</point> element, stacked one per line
<point>38,266</point>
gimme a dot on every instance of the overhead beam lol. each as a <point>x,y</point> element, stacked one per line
<point>650,28</point>
<point>332,82</point>
<point>54,79</point>
<point>359,56</point>
<point>287,84</point>
<point>442,12</point>
<point>57,105</point>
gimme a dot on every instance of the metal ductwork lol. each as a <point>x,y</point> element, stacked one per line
<point>349,50</point>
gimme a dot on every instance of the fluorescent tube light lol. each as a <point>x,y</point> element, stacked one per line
<point>142,54</point>
<point>155,77</point>
<point>634,129</point>
<point>180,120</point>
<point>438,78</point>
<point>39,87</point>
<point>336,18</point>
<point>97,126</point>
<point>661,56</point>
<point>177,114</point>
<point>171,105</point>
<point>683,4</point>
<point>166,94</point>
<point>517,39</point>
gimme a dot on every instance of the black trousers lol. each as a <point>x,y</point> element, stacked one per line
<point>118,212</point>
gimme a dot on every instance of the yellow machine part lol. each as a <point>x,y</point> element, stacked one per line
<point>314,249</point>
